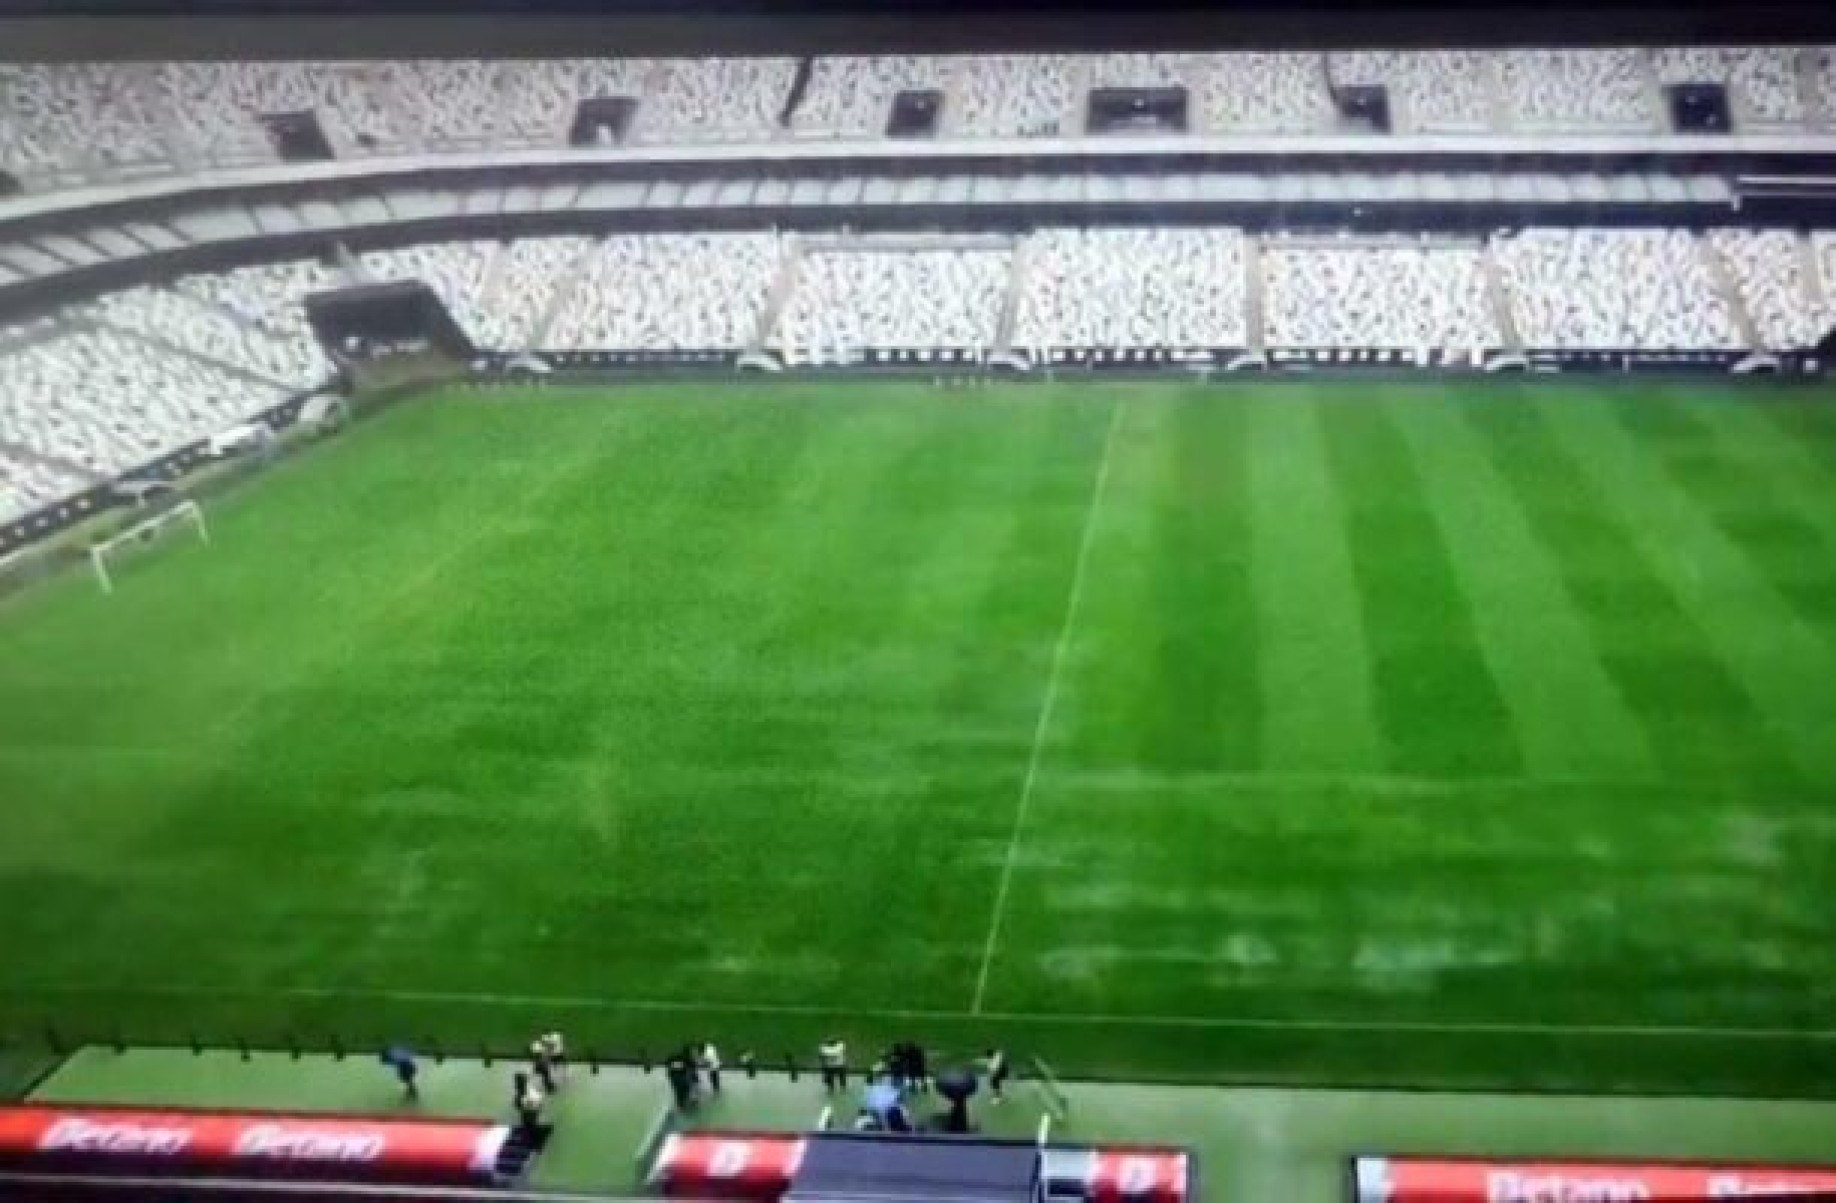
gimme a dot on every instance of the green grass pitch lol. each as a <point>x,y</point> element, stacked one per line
<point>1408,732</point>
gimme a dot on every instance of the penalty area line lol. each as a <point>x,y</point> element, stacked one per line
<point>562,1002</point>
<point>1073,600</point>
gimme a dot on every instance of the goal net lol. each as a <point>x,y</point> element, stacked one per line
<point>179,516</point>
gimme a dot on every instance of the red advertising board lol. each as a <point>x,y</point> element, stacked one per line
<point>1116,1173</point>
<point>1425,1180</point>
<point>718,1165</point>
<point>249,1144</point>
<point>1138,1176</point>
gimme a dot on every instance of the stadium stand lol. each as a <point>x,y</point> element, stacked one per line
<point>187,324</point>
<point>238,338</point>
<point>849,301</point>
<point>1614,289</point>
<point>1823,249</point>
<point>218,107</point>
<point>27,483</point>
<point>1432,92</point>
<point>514,103</point>
<point>110,403</point>
<point>1769,267</point>
<point>180,358</point>
<point>112,384</point>
<point>1264,93</point>
<point>1821,76</point>
<point>1015,96</point>
<point>1577,89</point>
<point>76,120</point>
<point>853,97</point>
<point>458,272</point>
<point>715,100</point>
<point>1145,70</point>
<point>267,295</point>
<point>1763,83</point>
<point>1377,295</point>
<point>1132,288</point>
<point>666,292</point>
<point>522,292</point>
<point>79,122</point>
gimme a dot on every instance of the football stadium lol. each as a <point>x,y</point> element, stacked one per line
<point>744,616</point>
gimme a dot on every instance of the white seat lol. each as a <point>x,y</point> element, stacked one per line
<point>668,292</point>
<point>1378,296</point>
<point>1132,287</point>
<point>1644,289</point>
<point>853,301</point>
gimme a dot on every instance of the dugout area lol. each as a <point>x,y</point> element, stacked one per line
<point>1248,1144</point>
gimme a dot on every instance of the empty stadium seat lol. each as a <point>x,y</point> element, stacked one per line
<point>851,301</point>
<point>1132,288</point>
<point>1768,266</point>
<point>1613,289</point>
<point>1576,90</point>
<point>667,292</point>
<point>1379,295</point>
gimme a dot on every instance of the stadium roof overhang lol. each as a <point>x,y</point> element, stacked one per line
<point>92,250</point>
<point>60,246</point>
<point>1783,154</point>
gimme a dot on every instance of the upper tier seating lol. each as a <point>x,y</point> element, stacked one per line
<point>1446,91</point>
<point>1577,89</point>
<point>1762,82</point>
<point>715,100</point>
<point>1015,96</point>
<point>506,103</point>
<point>74,122</point>
<point>853,97</point>
<point>1264,94</point>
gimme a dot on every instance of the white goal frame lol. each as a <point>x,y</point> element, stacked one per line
<point>145,531</point>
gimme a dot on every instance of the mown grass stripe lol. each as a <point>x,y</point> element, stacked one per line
<point>1788,670</point>
<point>1789,460</point>
<point>1766,488</point>
<point>1205,710</point>
<point>1048,701</point>
<point>1569,715</point>
<point>1698,720</point>
<point>1165,674</point>
<point>1439,705</point>
<point>1316,688</point>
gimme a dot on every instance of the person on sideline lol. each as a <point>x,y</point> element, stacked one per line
<point>996,1061</point>
<point>710,1065</point>
<point>832,1054</point>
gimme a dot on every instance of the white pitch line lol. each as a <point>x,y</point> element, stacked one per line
<point>1072,601</point>
<point>1065,1018</point>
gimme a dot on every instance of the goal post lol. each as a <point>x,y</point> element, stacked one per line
<point>183,514</point>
